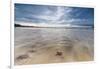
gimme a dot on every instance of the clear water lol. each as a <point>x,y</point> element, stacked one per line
<point>28,36</point>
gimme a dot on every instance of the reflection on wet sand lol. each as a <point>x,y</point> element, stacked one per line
<point>47,45</point>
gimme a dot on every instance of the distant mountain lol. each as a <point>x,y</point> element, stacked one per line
<point>17,25</point>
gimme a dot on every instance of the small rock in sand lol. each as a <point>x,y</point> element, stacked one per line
<point>22,57</point>
<point>59,53</point>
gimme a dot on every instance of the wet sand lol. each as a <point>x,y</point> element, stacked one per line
<point>47,45</point>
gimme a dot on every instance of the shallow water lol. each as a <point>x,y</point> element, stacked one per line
<point>24,36</point>
<point>47,41</point>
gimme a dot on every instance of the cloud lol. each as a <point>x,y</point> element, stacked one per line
<point>52,14</point>
<point>57,16</point>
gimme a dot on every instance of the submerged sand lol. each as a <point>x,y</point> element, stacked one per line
<point>51,47</point>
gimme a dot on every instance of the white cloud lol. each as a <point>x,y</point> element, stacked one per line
<point>57,16</point>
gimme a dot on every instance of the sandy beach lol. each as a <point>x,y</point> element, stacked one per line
<point>50,45</point>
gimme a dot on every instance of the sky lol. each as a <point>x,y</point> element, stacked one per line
<point>53,15</point>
